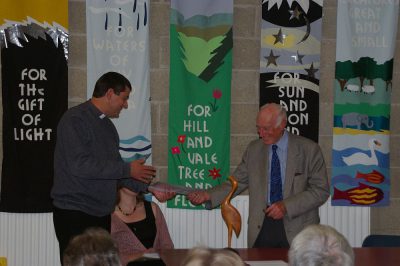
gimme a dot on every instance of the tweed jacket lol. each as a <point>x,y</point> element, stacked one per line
<point>306,185</point>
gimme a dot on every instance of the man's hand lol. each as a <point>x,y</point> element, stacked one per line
<point>142,172</point>
<point>276,211</point>
<point>162,192</point>
<point>198,197</point>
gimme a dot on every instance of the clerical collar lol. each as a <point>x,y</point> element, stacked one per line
<point>95,110</point>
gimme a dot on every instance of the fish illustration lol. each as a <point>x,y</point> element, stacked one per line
<point>372,177</point>
<point>361,195</point>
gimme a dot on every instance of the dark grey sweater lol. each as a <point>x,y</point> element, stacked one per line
<point>87,163</point>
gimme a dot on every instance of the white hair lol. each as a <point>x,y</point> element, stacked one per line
<point>282,116</point>
<point>320,245</point>
<point>202,256</point>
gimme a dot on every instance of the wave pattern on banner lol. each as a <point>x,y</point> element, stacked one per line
<point>118,40</point>
<point>363,86</point>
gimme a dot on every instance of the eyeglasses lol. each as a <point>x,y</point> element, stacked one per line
<point>265,129</point>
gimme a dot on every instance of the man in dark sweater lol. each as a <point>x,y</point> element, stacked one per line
<point>87,162</point>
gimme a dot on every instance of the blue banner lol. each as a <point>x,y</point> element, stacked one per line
<point>118,40</point>
<point>363,87</point>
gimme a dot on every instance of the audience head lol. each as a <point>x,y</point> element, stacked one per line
<point>201,256</point>
<point>94,247</point>
<point>271,122</point>
<point>320,245</point>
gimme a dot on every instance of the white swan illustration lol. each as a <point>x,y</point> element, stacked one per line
<point>362,158</point>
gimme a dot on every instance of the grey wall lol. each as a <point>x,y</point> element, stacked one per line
<point>244,88</point>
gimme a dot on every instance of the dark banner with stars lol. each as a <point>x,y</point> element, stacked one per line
<point>290,61</point>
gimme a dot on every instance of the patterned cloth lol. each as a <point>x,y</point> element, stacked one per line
<point>276,179</point>
<point>129,244</point>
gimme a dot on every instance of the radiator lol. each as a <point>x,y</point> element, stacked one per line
<point>190,228</point>
<point>352,222</point>
<point>29,239</point>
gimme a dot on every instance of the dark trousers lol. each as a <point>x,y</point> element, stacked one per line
<point>69,223</point>
<point>272,234</point>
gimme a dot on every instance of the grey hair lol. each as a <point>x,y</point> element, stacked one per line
<point>202,256</point>
<point>320,245</point>
<point>94,247</point>
<point>282,115</point>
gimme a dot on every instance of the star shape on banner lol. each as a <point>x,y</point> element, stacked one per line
<point>311,71</point>
<point>298,57</point>
<point>214,173</point>
<point>295,13</point>
<point>279,37</point>
<point>271,58</point>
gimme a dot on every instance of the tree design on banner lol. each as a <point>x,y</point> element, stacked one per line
<point>363,85</point>
<point>199,109</point>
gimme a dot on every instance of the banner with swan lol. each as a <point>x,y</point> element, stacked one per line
<point>290,61</point>
<point>199,97</point>
<point>118,40</point>
<point>363,86</point>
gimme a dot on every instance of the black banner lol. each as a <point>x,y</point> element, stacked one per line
<point>290,62</point>
<point>301,103</point>
<point>35,95</point>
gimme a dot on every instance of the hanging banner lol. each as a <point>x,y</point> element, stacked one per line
<point>199,101</point>
<point>363,86</point>
<point>290,61</point>
<point>118,40</point>
<point>34,54</point>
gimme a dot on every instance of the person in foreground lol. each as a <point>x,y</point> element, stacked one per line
<point>286,177</point>
<point>320,245</point>
<point>137,225</point>
<point>94,247</point>
<point>87,162</point>
<point>201,256</point>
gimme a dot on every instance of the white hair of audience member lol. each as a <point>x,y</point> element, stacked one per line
<point>320,245</point>
<point>94,247</point>
<point>202,256</point>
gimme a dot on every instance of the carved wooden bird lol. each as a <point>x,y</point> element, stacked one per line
<point>230,214</point>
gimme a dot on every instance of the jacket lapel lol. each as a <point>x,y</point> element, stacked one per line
<point>264,169</point>
<point>292,159</point>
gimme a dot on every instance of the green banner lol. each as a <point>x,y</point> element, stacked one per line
<point>199,109</point>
